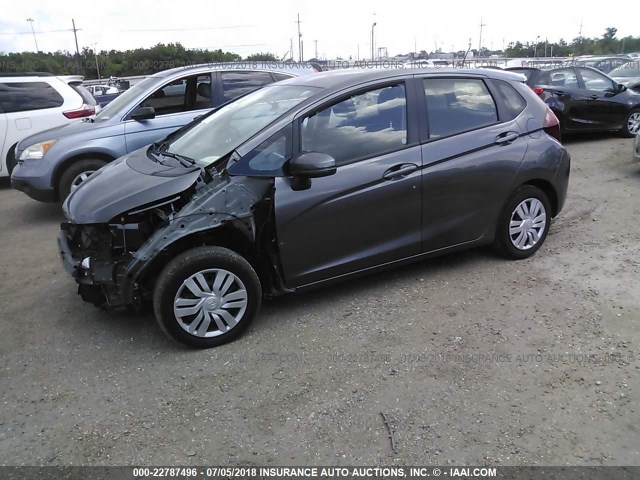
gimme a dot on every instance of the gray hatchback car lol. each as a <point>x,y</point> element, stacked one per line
<point>56,161</point>
<point>313,180</point>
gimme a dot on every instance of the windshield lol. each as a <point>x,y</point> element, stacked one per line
<point>625,71</point>
<point>115,107</point>
<point>223,131</point>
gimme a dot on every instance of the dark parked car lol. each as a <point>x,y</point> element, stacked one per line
<point>628,75</point>
<point>534,77</point>
<point>604,64</point>
<point>104,94</point>
<point>585,99</point>
<point>311,180</point>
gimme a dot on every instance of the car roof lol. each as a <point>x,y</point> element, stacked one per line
<point>277,67</point>
<point>26,74</point>
<point>337,79</point>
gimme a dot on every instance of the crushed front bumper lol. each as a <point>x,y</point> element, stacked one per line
<point>70,264</point>
<point>80,270</point>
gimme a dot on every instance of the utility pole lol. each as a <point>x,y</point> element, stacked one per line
<point>299,40</point>
<point>316,55</point>
<point>580,39</point>
<point>95,52</point>
<point>31,20</point>
<point>73,22</point>
<point>480,40</point>
<point>372,42</point>
<point>291,49</point>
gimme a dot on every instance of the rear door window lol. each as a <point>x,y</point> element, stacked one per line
<point>564,77</point>
<point>183,95</point>
<point>27,96</point>
<point>281,76</point>
<point>235,84</point>
<point>456,105</point>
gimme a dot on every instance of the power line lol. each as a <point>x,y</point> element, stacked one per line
<point>182,29</point>
<point>133,30</point>
<point>36,31</point>
<point>228,46</point>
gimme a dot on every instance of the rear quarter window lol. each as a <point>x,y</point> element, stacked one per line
<point>85,94</point>
<point>511,99</point>
<point>28,96</point>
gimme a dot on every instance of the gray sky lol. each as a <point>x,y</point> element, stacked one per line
<point>341,27</point>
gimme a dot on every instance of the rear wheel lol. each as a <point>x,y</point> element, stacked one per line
<point>632,124</point>
<point>76,174</point>
<point>11,160</point>
<point>206,297</point>
<point>523,223</point>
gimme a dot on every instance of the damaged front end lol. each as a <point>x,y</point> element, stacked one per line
<point>97,255</point>
<point>115,262</point>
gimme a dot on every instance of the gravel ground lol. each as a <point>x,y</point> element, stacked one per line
<point>466,359</point>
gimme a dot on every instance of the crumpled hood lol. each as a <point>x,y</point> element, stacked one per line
<point>131,181</point>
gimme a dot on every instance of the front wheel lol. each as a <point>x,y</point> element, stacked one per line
<point>76,174</point>
<point>523,223</point>
<point>206,297</point>
<point>632,124</point>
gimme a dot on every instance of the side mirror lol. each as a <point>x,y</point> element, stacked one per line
<point>144,113</point>
<point>312,165</point>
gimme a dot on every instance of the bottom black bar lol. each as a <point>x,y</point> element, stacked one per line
<point>320,472</point>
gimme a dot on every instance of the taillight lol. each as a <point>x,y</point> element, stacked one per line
<point>552,125</point>
<point>85,111</point>
<point>538,90</point>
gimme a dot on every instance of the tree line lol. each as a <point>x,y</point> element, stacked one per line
<point>144,61</point>
<point>606,44</point>
<point>116,63</point>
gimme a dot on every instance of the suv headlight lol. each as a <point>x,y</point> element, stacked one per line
<point>37,150</point>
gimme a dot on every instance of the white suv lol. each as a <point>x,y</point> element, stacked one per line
<point>33,102</point>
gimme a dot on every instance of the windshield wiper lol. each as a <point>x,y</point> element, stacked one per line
<point>184,161</point>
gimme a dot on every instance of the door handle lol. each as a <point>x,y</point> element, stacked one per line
<point>399,171</point>
<point>507,138</point>
<point>593,97</point>
<point>560,93</point>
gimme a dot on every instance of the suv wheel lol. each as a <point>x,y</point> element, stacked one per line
<point>76,173</point>
<point>11,160</point>
<point>523,223</point>
<point>206,297</point>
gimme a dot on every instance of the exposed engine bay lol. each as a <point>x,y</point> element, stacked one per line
<point>114,263</point>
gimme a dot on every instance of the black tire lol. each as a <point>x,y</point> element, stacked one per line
<point>624,131</point>
<point>179,270</point>
<point>73,171</point>
<point>503,243</point>
<point>11,159</point>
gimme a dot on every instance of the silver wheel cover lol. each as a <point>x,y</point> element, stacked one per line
<point>633,124</point>
<point>210,303</point>
<point>80,179</point>
<point>527,224</point>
